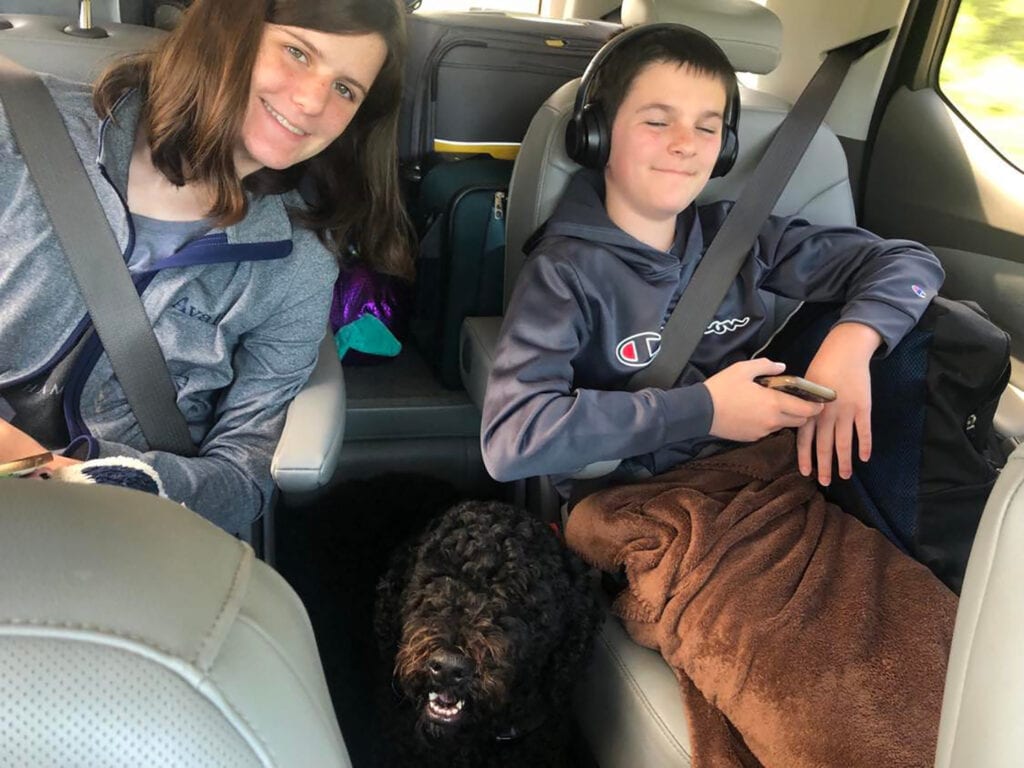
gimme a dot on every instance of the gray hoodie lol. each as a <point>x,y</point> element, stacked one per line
<point>589,306</point>
<point>238,314</point>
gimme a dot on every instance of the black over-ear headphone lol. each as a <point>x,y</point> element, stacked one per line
<point>588,134</point>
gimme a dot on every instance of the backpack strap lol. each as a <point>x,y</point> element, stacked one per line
<point>95,259</point>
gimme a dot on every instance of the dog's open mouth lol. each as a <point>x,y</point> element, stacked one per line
<point>444,708</point>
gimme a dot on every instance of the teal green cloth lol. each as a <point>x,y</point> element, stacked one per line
<point>367,334</point>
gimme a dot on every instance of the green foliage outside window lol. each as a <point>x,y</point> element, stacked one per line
<point>982,72</point>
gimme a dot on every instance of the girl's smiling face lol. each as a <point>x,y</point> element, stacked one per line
<point>305,89</point>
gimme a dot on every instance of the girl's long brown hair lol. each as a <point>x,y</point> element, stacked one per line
<point>195,88</point>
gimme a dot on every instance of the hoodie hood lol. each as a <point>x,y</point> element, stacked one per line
<point>581,215</point>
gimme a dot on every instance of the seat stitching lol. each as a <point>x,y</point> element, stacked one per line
<point>243,619</point>
<point>234,589</point>
<point>252,728</point>
<point>23,622</point>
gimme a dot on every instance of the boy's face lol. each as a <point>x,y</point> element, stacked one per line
<point>665,140</point>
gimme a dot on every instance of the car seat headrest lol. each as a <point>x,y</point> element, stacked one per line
<point>750,34</point>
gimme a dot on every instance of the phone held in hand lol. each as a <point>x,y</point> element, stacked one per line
<point>25,465</point>
<point>798,387</point>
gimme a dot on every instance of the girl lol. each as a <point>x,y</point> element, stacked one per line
<point>198,152</point>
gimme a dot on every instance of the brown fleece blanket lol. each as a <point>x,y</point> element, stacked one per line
<point>799,637</point>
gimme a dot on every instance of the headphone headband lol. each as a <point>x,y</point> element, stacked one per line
<point>590,73</point>
<point>588,134</point>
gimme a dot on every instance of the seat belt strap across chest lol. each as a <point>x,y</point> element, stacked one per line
<point>731,245</point>
<point>113,302</point>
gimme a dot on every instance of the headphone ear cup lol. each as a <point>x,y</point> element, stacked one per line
<point>593,137</point>
<point>727,155</point>
<point>574,138</point>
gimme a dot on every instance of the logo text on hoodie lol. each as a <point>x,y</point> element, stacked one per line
<point>722,327</point>
<point>185,306</point>
<point>640,349</point>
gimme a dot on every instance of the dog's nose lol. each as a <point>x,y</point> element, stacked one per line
<point>448,667</point>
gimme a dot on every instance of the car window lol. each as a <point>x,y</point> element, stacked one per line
<point>982,71</point>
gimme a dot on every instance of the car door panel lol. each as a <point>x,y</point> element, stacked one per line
<point>933,179</point>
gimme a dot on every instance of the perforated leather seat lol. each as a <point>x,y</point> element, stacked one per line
<point>133,632</point>
<point>629,705</point>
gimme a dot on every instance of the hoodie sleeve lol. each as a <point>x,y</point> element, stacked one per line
<point>885,284</point>
<point>229,481</point>
<point>535,422</point>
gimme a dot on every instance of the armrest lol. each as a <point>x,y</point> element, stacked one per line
<point>307,453</point>
<point>478,341</point>
<point>981,704</point>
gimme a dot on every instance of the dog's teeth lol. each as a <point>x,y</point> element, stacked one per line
<point>432,696</point>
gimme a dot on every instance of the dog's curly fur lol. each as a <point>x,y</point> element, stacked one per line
<point>483,624</point>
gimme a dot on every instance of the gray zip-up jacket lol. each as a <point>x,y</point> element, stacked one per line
<point>589,306</point>
<point>238,314</point>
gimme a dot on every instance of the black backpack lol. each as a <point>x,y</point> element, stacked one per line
<point>933,400</point>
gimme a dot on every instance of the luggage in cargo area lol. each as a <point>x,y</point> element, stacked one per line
<point>475,79</point>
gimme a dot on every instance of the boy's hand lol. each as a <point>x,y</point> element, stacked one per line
<point>842,364</point>
<point>746,411</point>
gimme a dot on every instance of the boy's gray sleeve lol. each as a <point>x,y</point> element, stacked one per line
<point>229,482</point>
<point>885,284</point>
<point>535,423</point>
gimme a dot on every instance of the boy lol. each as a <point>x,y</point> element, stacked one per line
<point>606,271</point>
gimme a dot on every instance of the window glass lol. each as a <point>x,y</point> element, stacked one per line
<point>982,72</point>
<point>517,6</point>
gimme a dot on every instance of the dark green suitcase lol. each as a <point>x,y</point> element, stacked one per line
<point>460,216</point>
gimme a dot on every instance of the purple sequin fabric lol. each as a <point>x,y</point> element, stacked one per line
<point>358,291</point>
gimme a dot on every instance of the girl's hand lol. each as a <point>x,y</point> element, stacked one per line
<point>16,444</point>
<point>841,363</point>
<point>746,411</point>
<point>56,463</point>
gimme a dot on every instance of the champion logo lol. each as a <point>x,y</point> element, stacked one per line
<point>722,327</point>
<point>638,350</point>
<point>920,292</point>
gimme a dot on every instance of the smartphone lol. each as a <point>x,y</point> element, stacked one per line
<point>802,388</point>
<point>25,464</point>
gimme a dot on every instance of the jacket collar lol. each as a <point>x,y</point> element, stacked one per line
<point>267,219</point>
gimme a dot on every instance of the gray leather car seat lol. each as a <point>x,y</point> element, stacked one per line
<point>629,706</point>
<point>981,725</point>
<point>133,632</point>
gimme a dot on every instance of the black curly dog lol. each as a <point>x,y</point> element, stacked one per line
<point>484,624</point>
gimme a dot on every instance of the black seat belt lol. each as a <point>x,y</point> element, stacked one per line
<point>731,245</point>
<point>95,258</point>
